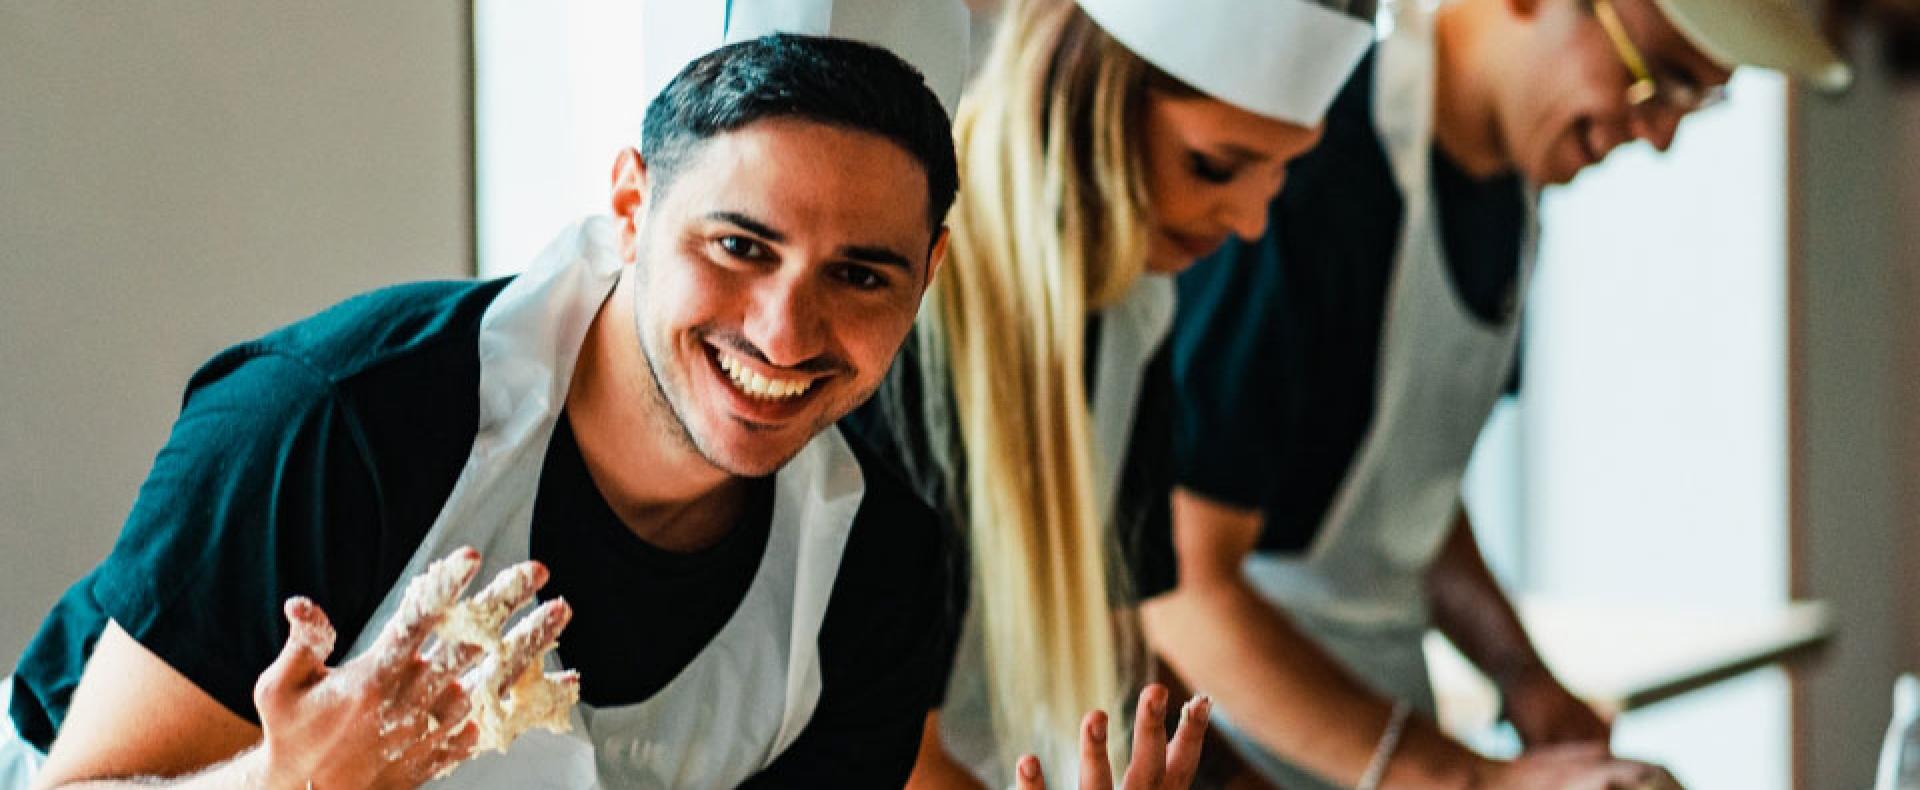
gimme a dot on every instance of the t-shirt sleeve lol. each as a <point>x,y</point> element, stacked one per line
<point>260,489</point>
<point>1227,385</point>
<point>885,650</point>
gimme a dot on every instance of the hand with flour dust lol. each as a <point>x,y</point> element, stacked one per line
<point>404,712</point>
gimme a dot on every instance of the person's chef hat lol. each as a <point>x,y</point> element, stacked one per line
<point>930,34</point>
<point>1284,59</point>
<point>1764,33</point>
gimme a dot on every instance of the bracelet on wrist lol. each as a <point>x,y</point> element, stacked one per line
<point>1383,751</point>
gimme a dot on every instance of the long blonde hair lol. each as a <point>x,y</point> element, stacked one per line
<point>1048,227</point>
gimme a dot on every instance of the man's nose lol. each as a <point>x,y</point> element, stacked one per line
<point>1656,125</point>
<point>786,322</point>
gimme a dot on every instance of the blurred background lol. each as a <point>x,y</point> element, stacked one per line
<point>1721,361</point>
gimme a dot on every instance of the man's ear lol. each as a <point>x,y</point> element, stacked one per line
<point>936,257</point>
<point>629,198</point>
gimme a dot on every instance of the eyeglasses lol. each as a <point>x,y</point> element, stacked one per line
<point>1679,94</point>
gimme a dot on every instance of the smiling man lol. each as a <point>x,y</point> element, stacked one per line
<point>645,417</point>
<point>1334,375</point>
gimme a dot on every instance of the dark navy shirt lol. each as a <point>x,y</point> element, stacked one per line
<point>312,462</point>
<point>1276,343</point>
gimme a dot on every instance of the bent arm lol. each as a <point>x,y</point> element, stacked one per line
<point>1469,607</point>
<point>1476,615</point>
<point>135,721</point>
<point>1280,686</point>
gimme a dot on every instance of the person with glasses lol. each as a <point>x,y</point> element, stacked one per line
<point>1334,375</point>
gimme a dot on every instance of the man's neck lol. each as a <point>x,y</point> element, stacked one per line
<point>1465,119</point>
<point>662,488</point>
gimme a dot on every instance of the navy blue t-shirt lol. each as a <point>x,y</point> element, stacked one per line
<point>312,462</point>
<point>1276,343</point>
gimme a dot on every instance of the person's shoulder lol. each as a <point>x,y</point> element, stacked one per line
<point>374,328</point>
<point>299,364</point>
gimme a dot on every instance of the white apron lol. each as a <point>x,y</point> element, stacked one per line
<point>745,697</point>
<point>1359,590</point>
<point>19,761</point>
<point>1130,332</point>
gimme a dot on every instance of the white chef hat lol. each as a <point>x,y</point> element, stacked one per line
<point>1765,33</point>
<point>930,34</point>
<point>1284,59</point>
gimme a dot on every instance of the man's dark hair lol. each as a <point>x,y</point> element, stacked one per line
<point>827,80</point>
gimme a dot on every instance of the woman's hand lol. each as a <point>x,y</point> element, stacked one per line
<point>1156,764</point>
<point>393,717</point>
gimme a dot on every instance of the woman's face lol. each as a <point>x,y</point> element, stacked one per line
<point>1212,168</point>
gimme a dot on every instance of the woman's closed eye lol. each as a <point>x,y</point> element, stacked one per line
<point>1210,171</point>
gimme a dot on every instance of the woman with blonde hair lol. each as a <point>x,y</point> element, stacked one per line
<point>1103,144</point>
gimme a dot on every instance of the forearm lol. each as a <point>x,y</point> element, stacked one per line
<point>1287,694</point>
<point>1474,613</point>
<point>246,771</point>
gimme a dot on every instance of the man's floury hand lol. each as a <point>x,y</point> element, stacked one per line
<point>395,716</point>
<point>1156,764</point>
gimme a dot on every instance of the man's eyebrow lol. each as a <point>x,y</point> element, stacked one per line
<point>751,225</point>
<point>876,255</point>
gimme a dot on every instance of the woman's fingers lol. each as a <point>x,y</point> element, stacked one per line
<point>1027,774</point>
<point>1183,756</point>
<point>1148,765</point>
<point>1095,772</point>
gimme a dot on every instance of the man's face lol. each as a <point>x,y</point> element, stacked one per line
<point>778,272</point>
<point>1563,103</point>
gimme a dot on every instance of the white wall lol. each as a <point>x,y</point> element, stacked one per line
<point>1654,412</point>
<point>558,96</point>
<point>1856,380</point>
<point>178,176</point>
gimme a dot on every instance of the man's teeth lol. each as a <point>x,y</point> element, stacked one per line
<point>756,385</point>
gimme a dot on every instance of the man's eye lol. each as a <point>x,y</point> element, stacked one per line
<point>862,277</point>
<point>743,247</point>
<point>1207,170</point>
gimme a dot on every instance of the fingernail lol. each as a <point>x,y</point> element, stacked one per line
<point>1100,728</point>
<point>1202,705</point>
<point>1029,767</point>
<point>1156,703</point>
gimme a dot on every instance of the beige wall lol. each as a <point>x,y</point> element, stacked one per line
<point>1855,383</point>
<point>178,176</point>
